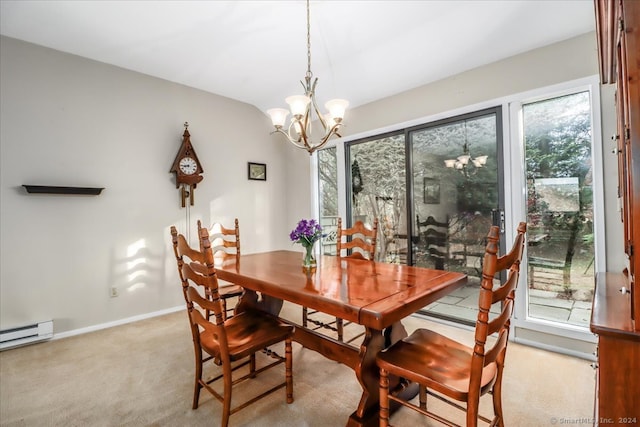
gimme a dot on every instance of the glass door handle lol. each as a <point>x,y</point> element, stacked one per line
<point>497,216</point>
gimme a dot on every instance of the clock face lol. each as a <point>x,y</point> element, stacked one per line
<point>188,166</point>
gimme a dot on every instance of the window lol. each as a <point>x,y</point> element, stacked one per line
<point>328,198</point>
<point>559,177</point>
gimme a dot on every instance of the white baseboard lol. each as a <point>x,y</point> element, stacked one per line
<point>117,322</point>
<point>555,349</point>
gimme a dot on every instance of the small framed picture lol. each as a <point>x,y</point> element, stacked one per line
<point>431,192</point>
<point>258,171</point>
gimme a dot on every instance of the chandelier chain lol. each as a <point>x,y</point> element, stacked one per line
<point>309,73</point>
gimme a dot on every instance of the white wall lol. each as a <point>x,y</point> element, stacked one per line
<point>561,62</point>
<point>70,121</point>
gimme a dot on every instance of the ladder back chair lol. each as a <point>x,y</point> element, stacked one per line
<point>435,236</point>
<point>230,344</point>
<point>360,243</point>
<point>225,244</point>
<point>449,370</point>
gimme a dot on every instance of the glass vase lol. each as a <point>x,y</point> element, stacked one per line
<point>309,259</point>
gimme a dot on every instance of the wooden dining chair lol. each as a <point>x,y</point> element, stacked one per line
<point>449,370</point>
<point>360,242</point>
<point>225,342</point>
<point>225,244</point>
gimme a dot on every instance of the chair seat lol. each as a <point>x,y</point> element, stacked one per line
<point>247,333</point>
<point>436,361</point>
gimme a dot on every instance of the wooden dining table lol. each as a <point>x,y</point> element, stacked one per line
<point>373,294</point>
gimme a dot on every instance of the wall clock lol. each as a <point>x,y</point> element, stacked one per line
<point>187,168</point>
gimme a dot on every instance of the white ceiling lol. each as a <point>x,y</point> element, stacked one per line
<point>255,51</point>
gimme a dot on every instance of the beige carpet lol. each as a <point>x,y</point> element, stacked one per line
<point>141,374</point>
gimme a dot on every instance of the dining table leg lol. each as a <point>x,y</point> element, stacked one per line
<point>369,376</point>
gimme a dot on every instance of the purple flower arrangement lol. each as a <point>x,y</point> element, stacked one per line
<point>306,233</point>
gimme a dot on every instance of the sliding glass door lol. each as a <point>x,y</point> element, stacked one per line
<point>455,170</point>
<point>435,191</point>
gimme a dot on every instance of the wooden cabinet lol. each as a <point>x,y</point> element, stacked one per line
<point>618,370</point>
<point>616,306</point>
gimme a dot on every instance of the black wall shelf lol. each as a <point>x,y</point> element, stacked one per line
<point>48,189</point>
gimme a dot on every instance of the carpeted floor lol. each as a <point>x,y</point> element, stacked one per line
<point>141,374</point>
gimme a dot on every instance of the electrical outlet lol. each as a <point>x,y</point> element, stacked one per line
<point>114,291</point>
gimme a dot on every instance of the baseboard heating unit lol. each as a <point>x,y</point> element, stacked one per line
<point>28,334</point>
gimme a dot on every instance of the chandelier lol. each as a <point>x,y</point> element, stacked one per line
<point>304,111</point>
<point>462,163</point>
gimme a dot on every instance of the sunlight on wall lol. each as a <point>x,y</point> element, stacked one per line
<point>136,265</point>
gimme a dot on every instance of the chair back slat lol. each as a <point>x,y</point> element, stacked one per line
<point>203,302</point>
<point>502,292</point>
<point>184,249</point>
<point>225,242</point>
<point>194,296</point>
<point>499,322</point>
<point>498,348</point>
<point>360,240</point>
<point>208,282</point>
<point>515,254</point>
<point>223,245</point>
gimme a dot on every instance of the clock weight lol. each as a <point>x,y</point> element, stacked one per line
<point>184,194</point>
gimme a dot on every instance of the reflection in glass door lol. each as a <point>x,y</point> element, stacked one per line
<point>440,216</point>
<point>456,195</point>
<point>377,177</point>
